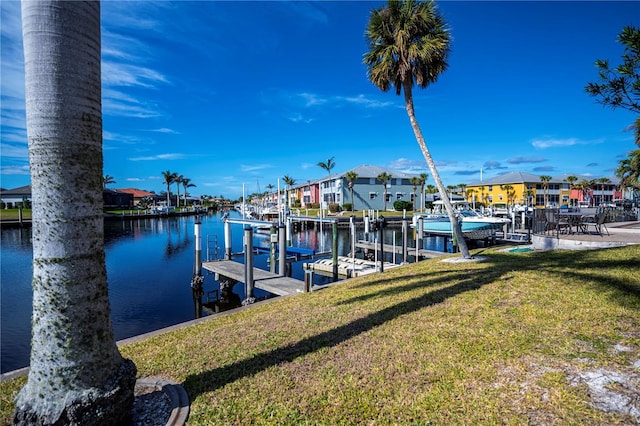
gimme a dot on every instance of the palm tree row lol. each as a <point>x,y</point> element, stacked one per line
<point>170,178</point>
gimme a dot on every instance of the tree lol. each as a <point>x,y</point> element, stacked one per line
<point>603,181</point>
<point>571,180</point>
<point>178,181</point>
<point>415,181</point>
<point>619,87</point>
<point>186,183</point>
<point>423,180</point>
<point>409,44</point>
<point>330,164</point>
<point>351,177</point>
<point>289,181</point>
<point>107,180</point>
<point>545,187</point>
<point>168,178</point>
<point>585,188</point>
<point>77,374</point>
<point>511,194</point>
<point>629,171</point>
<point>384,177</point>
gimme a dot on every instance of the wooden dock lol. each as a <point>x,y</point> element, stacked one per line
<point>389,248</point>
<point>264,280</point>
<point>347,267</point>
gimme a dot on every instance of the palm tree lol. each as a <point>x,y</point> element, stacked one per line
<point>571,180</point>
<point>585,188</point>
<point>545,187</point>
<point>462,187</point>
<point>289,181</point>
<point>186,183</point>
<point>384,177</point>
<point>508,189</point>
<point>409,44</point>
<point>351,177</point>
<point>415,181</point>
<point>629,171</point>
<point>168,178</point>
<point>107,180</point>
<point>423,180</point>
<point>178,181</point>
<point>603,181</point>
<point>330,164</point>
<point>77,374</point>
<point>471,193</point>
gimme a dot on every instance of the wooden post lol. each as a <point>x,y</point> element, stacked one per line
<point>274,244</point>
<point>420,236</point>
<point>282,241</point>
<point>227,240</point>
<point>381,238</point>
<point>248,265</point>
<point>334,250</point>
<point>405,236</point>
<point>197,264</point>
<point>308,281</point>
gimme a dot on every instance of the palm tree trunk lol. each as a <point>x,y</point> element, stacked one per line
<point>455,226</point>
<point>77,375</point>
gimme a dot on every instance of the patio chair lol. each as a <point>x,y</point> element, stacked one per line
<point>598,223</point>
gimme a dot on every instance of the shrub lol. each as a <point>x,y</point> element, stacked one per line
<point>334,207</point>
<point>347,207</point>
<point>401,205</point>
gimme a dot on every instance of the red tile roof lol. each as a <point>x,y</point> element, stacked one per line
<point>137,193</point>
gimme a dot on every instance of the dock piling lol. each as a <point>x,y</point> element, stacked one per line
<point>227,240</point>
<point>282,241</point>
<point>334,250</point>
<point>273,233</point>
<point>308,280</point>
<point>248,265</point>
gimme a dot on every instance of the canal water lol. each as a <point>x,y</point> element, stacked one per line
<point>149,270</point>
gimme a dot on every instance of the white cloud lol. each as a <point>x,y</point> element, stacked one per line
<point>544,143</point>
<point>173,156</point>
<point>253,168</point>
<point>165,130</point>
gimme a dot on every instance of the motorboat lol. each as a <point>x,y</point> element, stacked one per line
<point>473,224</point>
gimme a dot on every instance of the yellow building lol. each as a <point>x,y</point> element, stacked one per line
<point>518,188</point>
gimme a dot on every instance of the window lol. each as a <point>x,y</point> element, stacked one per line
<point>372,195</point>
<point>399,195</point>
<point>500,197</point>
<point>490,187</point>
<point>388,197</point>
<point>490,198</point>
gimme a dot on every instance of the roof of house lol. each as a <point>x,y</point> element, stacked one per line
<point>369,171</point>
<point>137,193</point>
<point>22,190</point>
<point>507,178</point>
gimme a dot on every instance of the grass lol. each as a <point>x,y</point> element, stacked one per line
<point>12,214</point>
<point>512,339</point>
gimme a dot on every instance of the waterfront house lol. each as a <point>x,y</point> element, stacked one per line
<point>139,194</point>
<point>368,192</point>
<point>12,198</point>
<point>527,189</point>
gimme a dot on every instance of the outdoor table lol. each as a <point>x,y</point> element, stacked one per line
<point>574,219</point>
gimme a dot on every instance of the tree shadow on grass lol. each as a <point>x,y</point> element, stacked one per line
<point>214,379</point>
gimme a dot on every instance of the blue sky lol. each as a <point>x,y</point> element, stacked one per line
<point>232,93</point>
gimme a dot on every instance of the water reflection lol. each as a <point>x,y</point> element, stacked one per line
<point>149,272</point>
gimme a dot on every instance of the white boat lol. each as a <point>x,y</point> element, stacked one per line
<point>473,224</point>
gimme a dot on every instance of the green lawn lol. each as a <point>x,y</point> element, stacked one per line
<point>514,339</point>
<point>12,214</point>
